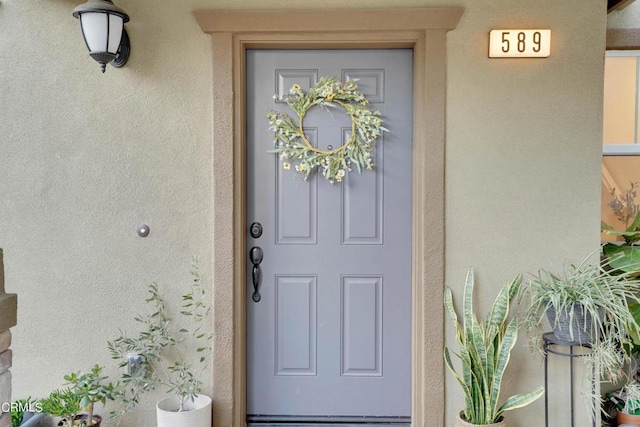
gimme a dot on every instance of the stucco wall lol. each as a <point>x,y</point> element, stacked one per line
<point>523,160</point>
<point>8,318</point>
<point>88,157</point>
<point>629,17</point>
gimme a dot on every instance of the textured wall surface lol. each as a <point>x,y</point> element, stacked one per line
<point>88,157</point>
<point>629,17</point>
<point>8,319</point>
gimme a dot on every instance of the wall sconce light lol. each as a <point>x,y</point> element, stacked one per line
<point>103,30</point>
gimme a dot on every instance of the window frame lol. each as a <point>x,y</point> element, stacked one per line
<point>632,149</point>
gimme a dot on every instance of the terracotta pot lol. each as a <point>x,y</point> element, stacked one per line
<point>462,423</point>
<point>624,418</point>
<point>197,413</point>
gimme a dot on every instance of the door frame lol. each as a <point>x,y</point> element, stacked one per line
<point>232,33</point>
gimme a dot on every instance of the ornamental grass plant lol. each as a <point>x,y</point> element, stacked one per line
<point>590,298</point>
<point>484,352</point>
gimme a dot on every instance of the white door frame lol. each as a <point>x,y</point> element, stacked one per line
<point>232,33</point>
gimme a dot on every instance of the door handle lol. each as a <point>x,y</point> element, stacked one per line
<point>255,256</point>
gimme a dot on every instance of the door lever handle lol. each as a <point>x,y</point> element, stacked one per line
<point>255,256</point>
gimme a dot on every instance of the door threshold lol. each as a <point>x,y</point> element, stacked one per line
<point>325,421</point>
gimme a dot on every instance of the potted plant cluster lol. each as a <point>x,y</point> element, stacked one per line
<point>160,353</point>
<point>83,391</point>
<point>484,352</point>
<point>586,304</point>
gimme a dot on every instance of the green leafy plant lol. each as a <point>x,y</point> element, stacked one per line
<point>484,352</point>
<point>63,403</point>
<point>602,296</point>
<point>624,257</point>
<point>19,407</point>
<point>164,348</point>
<point>91,388</point>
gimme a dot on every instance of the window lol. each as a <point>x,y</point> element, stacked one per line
<point>621,129</point>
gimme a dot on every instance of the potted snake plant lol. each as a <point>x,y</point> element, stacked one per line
<point>484,351</point>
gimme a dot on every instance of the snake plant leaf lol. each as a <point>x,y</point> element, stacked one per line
<point>499,310</point>
<point>463,384</point>
<point>502,357</point>
<point>520,400</point>
<point>448,305</point>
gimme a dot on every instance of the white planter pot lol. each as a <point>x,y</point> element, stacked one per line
<point>197,413</point>
<point>462,423</point>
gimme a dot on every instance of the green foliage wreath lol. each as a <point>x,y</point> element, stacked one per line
<point>293,146</point>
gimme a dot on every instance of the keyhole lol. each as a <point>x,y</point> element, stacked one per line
<point>255,230</point>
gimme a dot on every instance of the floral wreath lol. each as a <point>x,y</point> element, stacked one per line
<point>292,143</point>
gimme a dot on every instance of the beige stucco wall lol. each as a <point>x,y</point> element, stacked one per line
<point>629,17</point>
<point>88,157</point>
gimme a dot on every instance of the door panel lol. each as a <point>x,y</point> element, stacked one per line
<point>331,335</point>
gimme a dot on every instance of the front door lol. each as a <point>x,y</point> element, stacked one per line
<point>329,340</point>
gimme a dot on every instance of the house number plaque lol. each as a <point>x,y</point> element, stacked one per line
<point>519,43</point>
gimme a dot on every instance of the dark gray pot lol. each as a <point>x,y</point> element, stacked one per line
<point>579,331</point>
<point>35,420</point>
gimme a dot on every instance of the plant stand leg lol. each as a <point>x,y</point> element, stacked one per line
<point>571,379</point>
<point>546,385</point>
<point>550,340</point>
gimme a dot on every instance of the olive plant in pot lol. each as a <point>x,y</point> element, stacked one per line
<point>484,352</point>
<point>168,355</point>
<point>588,304</point>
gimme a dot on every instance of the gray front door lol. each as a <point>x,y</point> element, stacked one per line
<point>330,338</point>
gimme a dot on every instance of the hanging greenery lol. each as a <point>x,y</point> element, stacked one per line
<point>294,147</point>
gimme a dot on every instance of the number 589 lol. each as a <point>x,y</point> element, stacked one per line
<point>519,43</point>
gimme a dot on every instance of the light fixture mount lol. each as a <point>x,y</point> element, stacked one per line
<point>102,25</point>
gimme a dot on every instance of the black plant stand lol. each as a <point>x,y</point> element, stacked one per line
<point>551,345</point>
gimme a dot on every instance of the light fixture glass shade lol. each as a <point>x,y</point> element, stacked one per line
<point>102,32</point>
<point>116,24</point>
<point>102,26</point>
